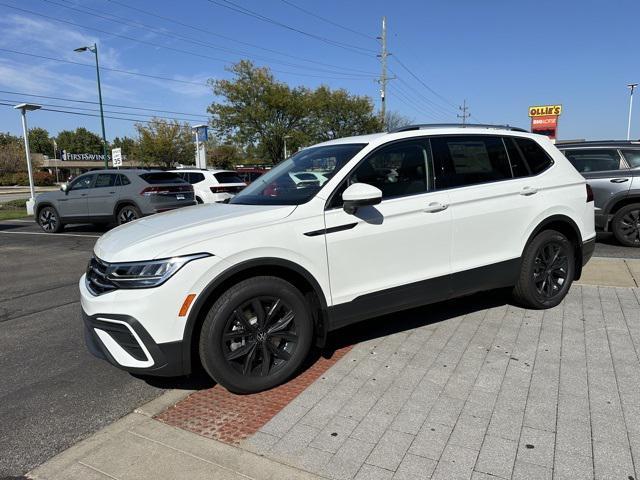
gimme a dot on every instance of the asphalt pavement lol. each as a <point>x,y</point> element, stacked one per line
<point>53,393</point>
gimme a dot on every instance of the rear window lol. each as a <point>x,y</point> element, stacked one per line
<point>633,157</point>
<point>161,177</point>
<point>227,177</point>
<point>537,159</point>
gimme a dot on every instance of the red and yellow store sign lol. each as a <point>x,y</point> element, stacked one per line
<point>544,119</point>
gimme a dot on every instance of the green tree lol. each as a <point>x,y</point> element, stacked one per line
<point>40,142</point>
<point>79,141</point>
<point>128,145</point>
<point>223,156</point>
<point>395,120</point>
<point>165,143</point>
<point>257,109</point>
<point>8,139</point>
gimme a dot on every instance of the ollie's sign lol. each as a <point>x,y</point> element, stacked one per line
<point>544,119</point>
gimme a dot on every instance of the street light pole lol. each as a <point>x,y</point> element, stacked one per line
<point>94,49</point>
<point>24,108</point>
<point>632,87</point>
<point>285,145</point>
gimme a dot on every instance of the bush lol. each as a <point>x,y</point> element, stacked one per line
<point>41,179</point>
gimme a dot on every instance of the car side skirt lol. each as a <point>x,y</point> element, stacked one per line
<point>499,275</point>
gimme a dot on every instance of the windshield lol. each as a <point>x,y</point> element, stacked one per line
<point>299,178</point>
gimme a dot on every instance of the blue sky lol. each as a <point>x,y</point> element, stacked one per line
<point>501,56</point>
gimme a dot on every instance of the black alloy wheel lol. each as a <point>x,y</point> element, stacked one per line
<point>626,225</point>
<point>550,269</point>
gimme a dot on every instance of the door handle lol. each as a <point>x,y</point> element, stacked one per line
<point>526,191</point>
<point>83,194</point>
<point>619,180</point>
<point>434,207</point>
<point>112,193</point>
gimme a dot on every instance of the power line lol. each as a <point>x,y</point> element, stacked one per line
<point>417,102</point>
<point>145,42</point>
<point>411,104</point>
<point>168,33</point>
<point>106,104</point>
<point>464,109</point>
<point>428,103</point>
<point>324,19</point>
<point>245,11</point>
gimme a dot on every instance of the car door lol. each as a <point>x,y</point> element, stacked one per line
<point>394,254</point>
<point>606,172</point>
<point>103,196</point>
<point>74,205</point>
<point>491,210</point>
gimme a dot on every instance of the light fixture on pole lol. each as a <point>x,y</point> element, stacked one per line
<point>632,87</point>
<point>24,108</point>
<point>94,50</point>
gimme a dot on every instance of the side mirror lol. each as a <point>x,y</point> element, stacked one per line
<point>64,187</point>
<point>360,195</point>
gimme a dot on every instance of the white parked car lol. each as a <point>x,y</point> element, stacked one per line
<point>212,186</point>
<point>406,218</point>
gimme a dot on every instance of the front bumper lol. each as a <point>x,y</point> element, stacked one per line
<point>123,341</point>
<point>588,247</point>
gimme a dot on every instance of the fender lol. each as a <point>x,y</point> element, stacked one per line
<point>205,297</point>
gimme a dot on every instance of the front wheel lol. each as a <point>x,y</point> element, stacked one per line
<point>626,225</point>
<point>256,335</point>
<point>547,271</point>
<point>49,220</point>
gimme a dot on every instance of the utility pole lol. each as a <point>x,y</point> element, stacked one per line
<point>464,109</point>
<point>632,87</point>
<point>383,76</point>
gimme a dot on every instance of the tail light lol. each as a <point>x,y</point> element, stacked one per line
<point>589,193</point>
<point>166,190</point>
<point>225,189</point>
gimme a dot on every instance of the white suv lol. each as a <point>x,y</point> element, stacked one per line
<point>210,186</point>
<point>405,218</point>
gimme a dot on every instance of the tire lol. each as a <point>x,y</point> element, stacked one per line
<point>127,213</point>
<point>626,225</point>
<point>234,346</point>
<point>199,201</point>
<point>546,272</point>
<point>49,220</point>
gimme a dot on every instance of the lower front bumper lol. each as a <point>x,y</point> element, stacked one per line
<point>123,342</point>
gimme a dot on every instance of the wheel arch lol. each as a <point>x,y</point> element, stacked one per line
<point>569,229</point>
<point>122,203</point>
<point>625,200</point>
<point>278,267</point>
<point>41,205</point>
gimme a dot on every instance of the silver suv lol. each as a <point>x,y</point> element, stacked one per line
<point>612,168</point>
<point>112,196</point>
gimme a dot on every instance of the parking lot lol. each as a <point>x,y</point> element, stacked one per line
<point>457,388</point>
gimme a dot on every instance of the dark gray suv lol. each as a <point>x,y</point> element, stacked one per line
<point>612,168</point>
<point>112,196</point>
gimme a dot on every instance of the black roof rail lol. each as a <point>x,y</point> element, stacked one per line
<point>421,126</point>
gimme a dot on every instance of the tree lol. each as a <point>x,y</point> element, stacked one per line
<point>223,156</point>
<point>165,143</point>
<point>8,139</point>
<point>40,142</point>
<point>128,145</point>
<point>79,141</point>
<point>12,158</point>
<point>257,109</point>
<point>395,120</point>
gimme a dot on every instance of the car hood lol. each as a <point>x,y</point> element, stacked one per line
<point>171,233</point>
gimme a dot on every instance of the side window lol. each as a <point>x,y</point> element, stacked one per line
<point>469,160</point>
<point>196,177</point>
<point>82,182</point>
<point>594,160</point>
<point>123,180</point>
<point>105,180</point>
<point>537,159</point>
<point>632,157</point>
<point>518,166</point>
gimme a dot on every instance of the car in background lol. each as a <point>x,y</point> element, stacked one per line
<point>612,168</point>
<point>111,196</point>
<point>250,174</point>
<point>211,186</point>
<point>308,177</point>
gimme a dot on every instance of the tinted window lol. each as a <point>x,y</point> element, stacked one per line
<point>594,160</point>
<point>227,177</point>
<point>633,157</point>
<point>535,156</point>
<point>468,160</point>
<point>123,180</point>
<point>518,165</point>
<point>81,183</point>
<point>105,180</point>
<point>195,177</point>
<point>161,177</point>
<point>306,176</point>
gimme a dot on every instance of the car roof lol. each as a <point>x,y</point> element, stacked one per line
<point>600,143</point>
<point>124,170</point>
<point>200,170</point>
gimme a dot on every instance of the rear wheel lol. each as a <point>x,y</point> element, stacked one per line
<point>547,271</point>
<point>256,335</point>
<point>127,214</point>
<point>49,220</point>
<point>626,225</point>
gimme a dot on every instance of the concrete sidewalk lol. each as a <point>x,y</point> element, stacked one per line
<point>139,447</point>
<point>611,272</point>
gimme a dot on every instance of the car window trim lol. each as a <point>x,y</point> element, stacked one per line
<point>421,138</point>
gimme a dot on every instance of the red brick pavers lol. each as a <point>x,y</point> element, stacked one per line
<point>216,413</point>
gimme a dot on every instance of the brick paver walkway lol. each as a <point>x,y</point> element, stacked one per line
<point>496,392</point>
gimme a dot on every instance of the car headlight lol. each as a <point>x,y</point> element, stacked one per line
<point>147,274</point>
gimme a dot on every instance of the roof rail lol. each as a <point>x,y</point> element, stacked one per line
<point>420,126</point>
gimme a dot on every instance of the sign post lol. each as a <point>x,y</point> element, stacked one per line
<point>544,120</point>
<point>116,157</point>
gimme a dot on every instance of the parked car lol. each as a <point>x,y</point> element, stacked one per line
<point>212,185</point>
<point>612,168</point>
<point>246,288</point>
<point>111,196</point>
<point>249,174</point>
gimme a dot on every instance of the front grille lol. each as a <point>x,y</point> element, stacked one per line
<point>97,281</point>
